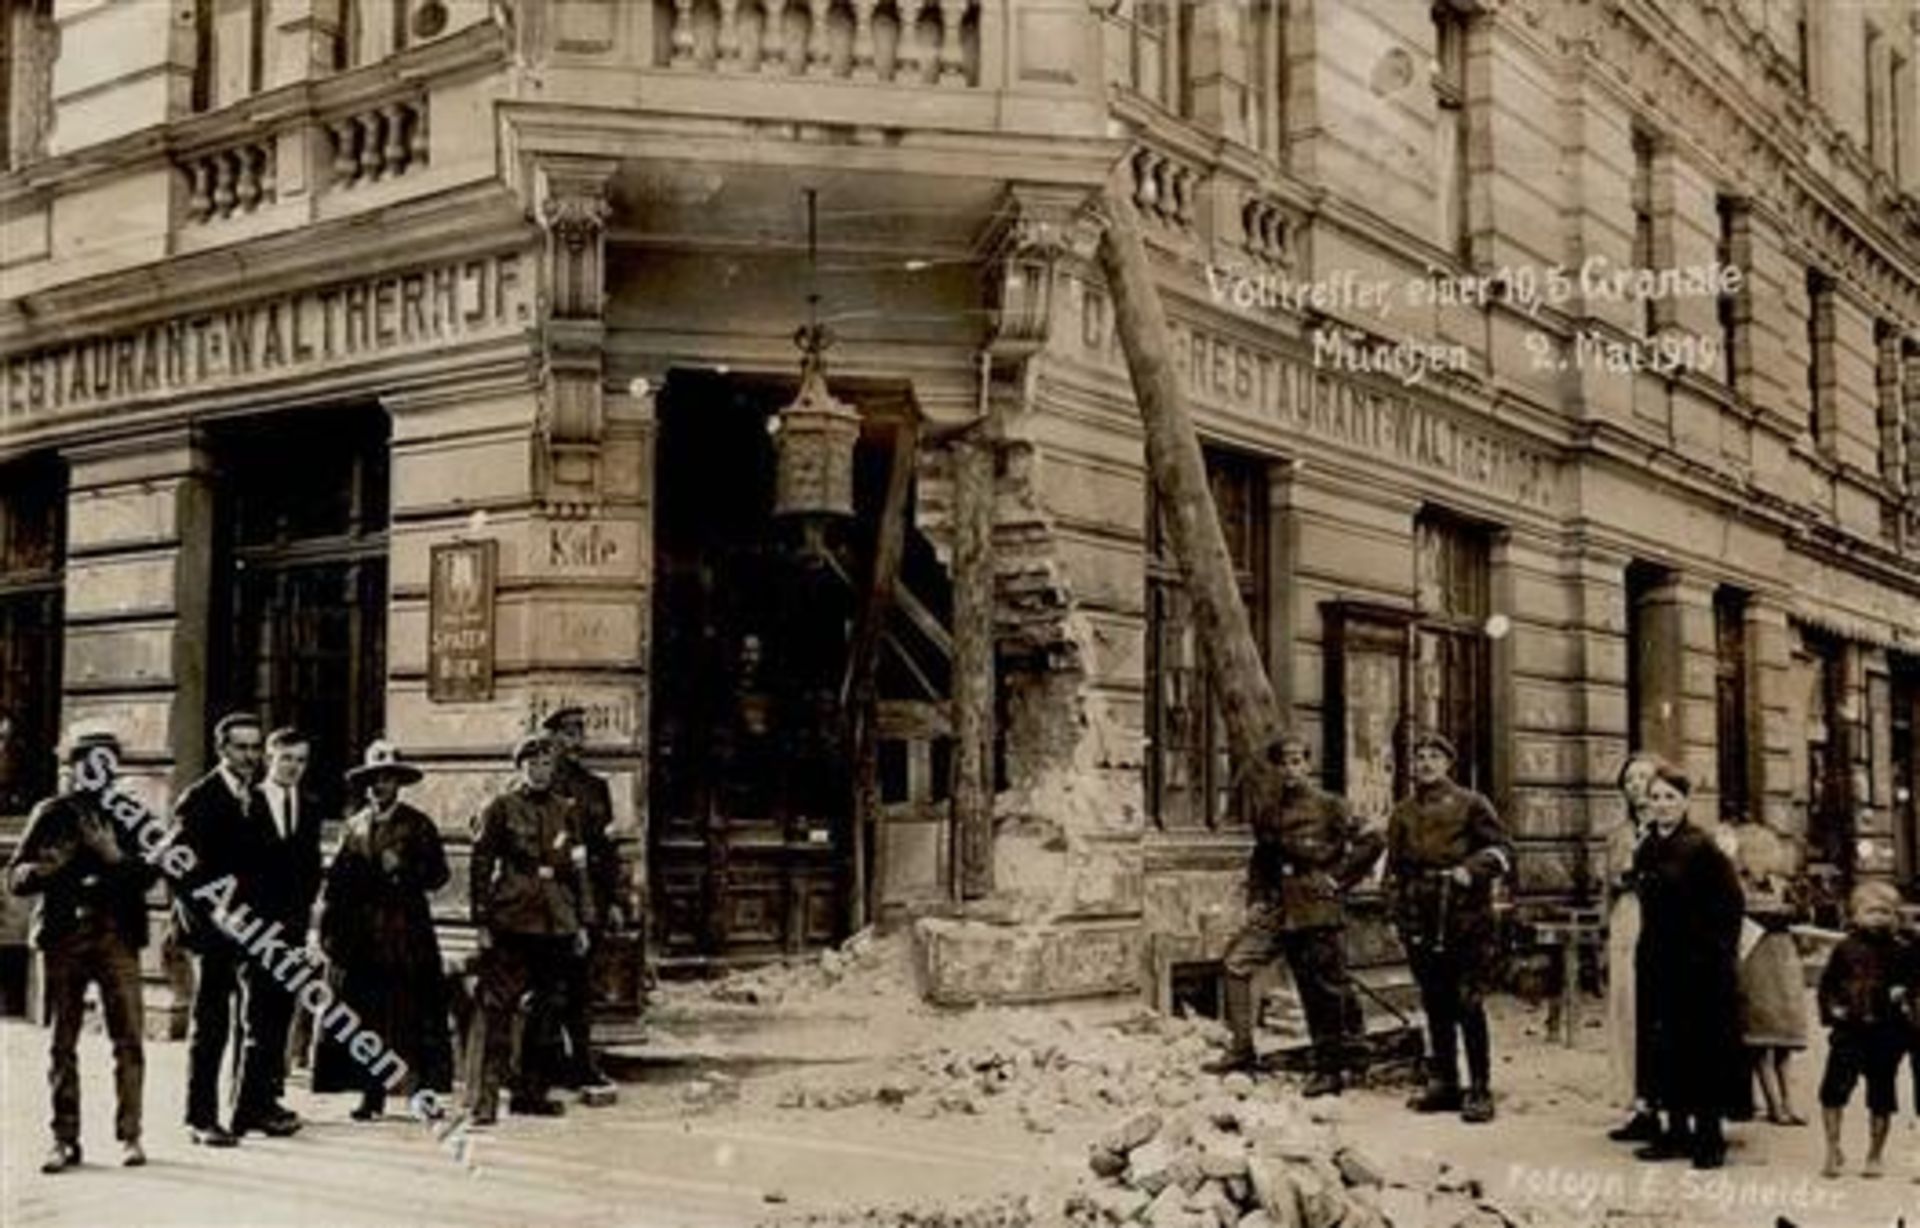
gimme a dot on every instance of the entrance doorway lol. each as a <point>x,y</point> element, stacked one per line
<point>755,777</point>
<point>1906,775</point>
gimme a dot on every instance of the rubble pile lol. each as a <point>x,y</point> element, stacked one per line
<point>865,965</point>
<point>1235,1161</point>
<point>1009,1211</point>
<point>1038,1066</point>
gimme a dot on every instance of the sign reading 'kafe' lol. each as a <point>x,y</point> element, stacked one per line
<point>286,334</point>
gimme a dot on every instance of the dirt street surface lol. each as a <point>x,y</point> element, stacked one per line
<point>828,1095</point>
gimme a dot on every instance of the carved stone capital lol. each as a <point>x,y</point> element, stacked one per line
<point>572,207</point>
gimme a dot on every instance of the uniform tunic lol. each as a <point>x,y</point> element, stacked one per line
<point>1439,827</point>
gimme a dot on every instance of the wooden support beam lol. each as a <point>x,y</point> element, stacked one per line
<point>1179,476</point>
<point>973,681</point>
<point>859,689</point>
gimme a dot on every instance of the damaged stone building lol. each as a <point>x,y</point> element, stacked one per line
<point>415,367</point>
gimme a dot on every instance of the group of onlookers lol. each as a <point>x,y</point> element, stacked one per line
<point>242,858</point>
<point>1707,985</point>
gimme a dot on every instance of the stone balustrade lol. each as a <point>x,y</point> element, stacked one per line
<point>378,142</point>
<point>934,43</point>
<point>1266,233</point>
<point>233,180</point>
<point>1164,188</point>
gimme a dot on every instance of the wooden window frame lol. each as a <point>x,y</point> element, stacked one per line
<point>33,591</point>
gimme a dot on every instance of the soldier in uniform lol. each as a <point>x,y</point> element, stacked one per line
<point>529,892</point>
<point>593,814</point>
<point>1308,853</point>
<point>1445,848</point>
<point>91,921</point>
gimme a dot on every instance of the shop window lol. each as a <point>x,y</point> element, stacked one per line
<point>306,545</point>
<point>1188,769</point>
<point>33,502</point>
<point>1452,682</point>
<point>29,42</point>
<point>1730,698</point>
<point>1450,126</point>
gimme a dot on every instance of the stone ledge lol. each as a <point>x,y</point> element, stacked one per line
<point>962,963</point>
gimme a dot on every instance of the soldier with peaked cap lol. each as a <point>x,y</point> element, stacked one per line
<point>1445,849</point>
<point>85,865</point>
<point>1308,853</point>
<point>376,927</point>
<point>529,893</point>
<point>593,813</point>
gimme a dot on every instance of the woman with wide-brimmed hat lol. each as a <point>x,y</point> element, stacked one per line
<point>377,931</point>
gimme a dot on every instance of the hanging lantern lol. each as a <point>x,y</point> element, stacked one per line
<point>814,441</point>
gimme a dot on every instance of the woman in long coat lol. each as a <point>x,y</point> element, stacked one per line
<point>1688,967</point>
<point>1623,937</point>
<point>376,928</point>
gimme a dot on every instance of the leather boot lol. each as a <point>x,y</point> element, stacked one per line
<point>1237,992</point>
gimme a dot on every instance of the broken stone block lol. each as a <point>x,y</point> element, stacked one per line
<point>1147,1166</point>
<point>1356,1169</point>
<point>1185,1170</point>
<point>1135,1131</point>
<point>1214,1197</point>
<point>1272,1180</point>
<point>1169,1209</point>
<point>1222,1157</point>
<point>1238,1085</point>
<point>1240,1189</point>
<point>1118,1204</point>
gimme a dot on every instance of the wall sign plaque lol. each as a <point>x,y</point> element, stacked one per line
<point>460,622</point>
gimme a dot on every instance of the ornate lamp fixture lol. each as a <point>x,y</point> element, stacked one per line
<point>815,435</point>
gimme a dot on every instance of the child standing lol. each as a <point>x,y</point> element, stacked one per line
<point>1862,998</point>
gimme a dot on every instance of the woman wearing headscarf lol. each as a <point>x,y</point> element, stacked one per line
<point>376,929</point>
<point>1687,963</point>
<point>1623,935</point>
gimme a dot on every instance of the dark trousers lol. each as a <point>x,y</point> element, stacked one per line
<point>514,967</point>
<point>576,1019</point>
<point>1451,994</point>
<point>216,980</point>
<point>267,1017</point>
<point>1317,958</point>
<point>99,955</point>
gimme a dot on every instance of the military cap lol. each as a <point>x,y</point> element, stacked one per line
<point>1439,741</point>
<point>561,715</point>
<point>1278,744</point>
<point>531,745</point>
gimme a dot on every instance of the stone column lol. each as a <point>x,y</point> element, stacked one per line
<point>302,39</point>
<point>1772,734</point>
<point>139,587</point>
<point>973,675</point>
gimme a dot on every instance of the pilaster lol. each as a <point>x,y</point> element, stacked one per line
<point>572,208</point>
<point>1772,735</point>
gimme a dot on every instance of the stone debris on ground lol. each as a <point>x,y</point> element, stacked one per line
<point>1037,1065</point>
<point>865,965</point>
<point>1263,1160</point>
<point>1006,1211</point>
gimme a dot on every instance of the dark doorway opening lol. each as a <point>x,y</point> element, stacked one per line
<point>753,788</point>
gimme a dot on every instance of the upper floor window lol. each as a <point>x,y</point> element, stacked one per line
<point>1646,253</point>
<point>1267,76</point>
<point>1732,307</point>
<point>1901,108</point>
<point>1158,34</point>
<point>1450,124</point>
<point>1875,94</point>
<point>1889,350</point>
<point>33,502</point>
<point>1823,402</point>
<point>230,51</point>
<point>29,41</point>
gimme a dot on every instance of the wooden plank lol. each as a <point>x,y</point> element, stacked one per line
<point>858,688</point>
<point>1180,481</point>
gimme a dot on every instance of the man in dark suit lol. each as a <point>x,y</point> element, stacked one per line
<point>221,818</point>
<point>287,881</point>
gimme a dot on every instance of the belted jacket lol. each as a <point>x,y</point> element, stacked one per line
<point>528,874</point>
<point>76,886</point>
<point>1436,829</point>
<point>1308,852</point>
